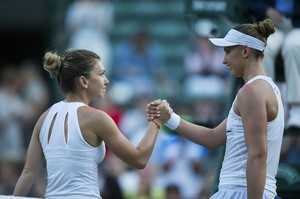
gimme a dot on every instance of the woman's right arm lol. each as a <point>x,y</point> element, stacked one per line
<point>210,138</point>
<point>136,157</point>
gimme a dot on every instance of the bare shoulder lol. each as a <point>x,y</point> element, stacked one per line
<point>42,119</point>
<point>95,120</point>
<point>254,91</point>
<point>92,114</point>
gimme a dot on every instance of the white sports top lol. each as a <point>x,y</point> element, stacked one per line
<point>233,170</point>
<point>72,164</point>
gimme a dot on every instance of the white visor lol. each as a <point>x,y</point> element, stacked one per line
<point>236,38</point>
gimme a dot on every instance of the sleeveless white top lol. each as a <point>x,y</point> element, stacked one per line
<point>233,172</point>
<point>72,164</point>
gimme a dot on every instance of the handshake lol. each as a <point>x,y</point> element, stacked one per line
<point>160,112</point>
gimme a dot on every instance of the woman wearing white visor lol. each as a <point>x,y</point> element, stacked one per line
<point>254,127</point>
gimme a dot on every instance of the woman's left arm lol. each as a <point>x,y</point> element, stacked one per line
<point>33,164</point>
<point>252,108</point>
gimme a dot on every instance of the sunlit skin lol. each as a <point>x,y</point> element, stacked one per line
<point>98,82</point>
<point>233,59</point>
<point>241,62</point>
<point>92,87</point>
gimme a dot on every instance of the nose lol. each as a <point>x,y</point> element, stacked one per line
<point>225,60</point>
<point>106,81</point>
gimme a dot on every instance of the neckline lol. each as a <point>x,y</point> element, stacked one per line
<point>258,77</point>
<point>73,102</point>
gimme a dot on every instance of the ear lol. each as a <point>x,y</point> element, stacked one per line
<point>245,51</point>
<point>83,81</point>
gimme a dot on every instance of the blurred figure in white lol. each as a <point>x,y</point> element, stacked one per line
<point>12,114</point>
<point>204,69</point>
<point>88,24</point>
<point>182,164</point>
<point>35,94</point>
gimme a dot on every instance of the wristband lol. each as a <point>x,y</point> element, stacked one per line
<point>173,122</point>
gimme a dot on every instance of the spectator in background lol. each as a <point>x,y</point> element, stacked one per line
<point>10,170</point>
<point>35,95</point>
<point>204,69</point>
<point>290,151</point>
<point>13,112</point>
<point>111,188</point>
<point>138,184</point>
<point>173,192</point>
<point>286,40</point>
<point>88,24</point>
<point>182,165</point>
<point>138,62</point>
<point>23,95</point>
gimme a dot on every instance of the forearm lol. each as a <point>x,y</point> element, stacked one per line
<point>147,144</point>
<point>198,134</point>
<point>207,137</point>
<point>24,183</point>
<point>256,177</point>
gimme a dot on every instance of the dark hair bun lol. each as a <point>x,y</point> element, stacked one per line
<point>266,28</point>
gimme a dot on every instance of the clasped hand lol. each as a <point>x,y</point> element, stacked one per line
<point>159,110</point>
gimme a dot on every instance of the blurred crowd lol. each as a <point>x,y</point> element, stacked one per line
<point>138,74</point>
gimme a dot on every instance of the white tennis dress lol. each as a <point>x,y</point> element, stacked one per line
<point>72,164</point>
<point>232,182</point>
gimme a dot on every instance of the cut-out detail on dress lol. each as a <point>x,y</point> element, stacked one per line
<point>66,127</point>
<point>51,127</point>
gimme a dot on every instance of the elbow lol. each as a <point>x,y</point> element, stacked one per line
<point>258,158</point>
<point>29,173</point>
<point>139,165</point>
<point>212,145</point>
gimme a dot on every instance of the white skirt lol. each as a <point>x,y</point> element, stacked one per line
<point>237,192</point>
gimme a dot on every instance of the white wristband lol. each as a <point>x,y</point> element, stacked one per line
<point>173,122</point>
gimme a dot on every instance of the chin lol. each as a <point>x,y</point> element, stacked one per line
<point>101,96</point>
<point>235,75</point>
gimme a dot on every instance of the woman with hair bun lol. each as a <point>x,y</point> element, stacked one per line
<point>253,130</point>
<point>71,136</point>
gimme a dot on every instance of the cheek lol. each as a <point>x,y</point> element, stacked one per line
<point>96,84</point>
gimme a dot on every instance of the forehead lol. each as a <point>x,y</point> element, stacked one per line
<point>229,48</point>
<point>98,66</point>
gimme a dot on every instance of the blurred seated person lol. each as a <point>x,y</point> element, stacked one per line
<point>204,68</point>
<point>137,62</point>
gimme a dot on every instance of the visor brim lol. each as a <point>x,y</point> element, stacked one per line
<point>221,42</point>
